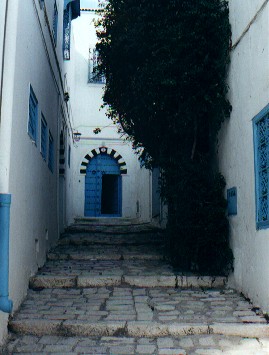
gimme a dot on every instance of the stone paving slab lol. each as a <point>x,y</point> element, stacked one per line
<point>141,273</point>
<point>182,345</point>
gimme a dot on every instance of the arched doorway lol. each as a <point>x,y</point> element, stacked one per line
<point>103,187</point>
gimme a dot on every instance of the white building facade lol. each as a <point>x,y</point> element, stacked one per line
<point>35,124</point>
<point>243,150</point>
<point>48,96</point>
<point>107,177</point>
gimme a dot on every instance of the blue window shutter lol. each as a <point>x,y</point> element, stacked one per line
<point>55,24</point>
<point>261,146</point>
<point>44,137</point>
<point>33,115</point>
<point>66,33</point>
<point>51,153</point>
<point>232,201</point>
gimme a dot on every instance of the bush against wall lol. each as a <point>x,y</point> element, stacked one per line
<point>165,64</point>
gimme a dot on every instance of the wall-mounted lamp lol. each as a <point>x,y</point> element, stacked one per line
<point>76,136</point>
<point>66,96</point>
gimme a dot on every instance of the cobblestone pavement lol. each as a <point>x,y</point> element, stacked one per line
<point>94,297</point>
<point>188,345</point>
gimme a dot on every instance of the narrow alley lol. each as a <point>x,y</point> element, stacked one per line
<point>86,215</point>
<point>106,289</point>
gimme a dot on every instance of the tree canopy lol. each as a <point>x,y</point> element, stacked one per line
<point>165,64</point>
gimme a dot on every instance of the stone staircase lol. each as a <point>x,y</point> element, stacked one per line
<point>108,289</point>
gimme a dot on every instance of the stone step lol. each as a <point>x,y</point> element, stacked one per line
<point>109,221</point>
<point>88,281</point>
<point>73,328</point>
<point>144,228</point>
<point>112,239</point>
<point>109,252</point>
<point>137,312</point>
<point>192,344</point>
<point>97,273</point>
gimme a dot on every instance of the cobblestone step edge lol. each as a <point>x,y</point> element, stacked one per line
<point>119,256</point>
<point>84,281</point>
<point>134,328</point>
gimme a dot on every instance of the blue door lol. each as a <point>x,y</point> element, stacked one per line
<point>103,187</point>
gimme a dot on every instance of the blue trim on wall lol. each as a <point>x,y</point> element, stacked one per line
<point>5,201</point>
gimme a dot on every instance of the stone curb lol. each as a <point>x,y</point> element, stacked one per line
<point>98,281</point>
<point>243,330</point>
<point>148,281</point>
<point>36,327</point>
<point>61,256</point>
<point>78,328</point>
<point>50,281</point>
<point>135,328</point>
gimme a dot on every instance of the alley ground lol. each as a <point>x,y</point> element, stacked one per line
<point>107,289</point>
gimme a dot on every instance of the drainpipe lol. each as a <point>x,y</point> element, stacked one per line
<point>5,304</point>
<point>6,97</point>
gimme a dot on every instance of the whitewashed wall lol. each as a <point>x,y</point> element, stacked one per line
<point>2,26</point>
<point>249,94</point>
<point>34,218</point>
<point>86,100</point>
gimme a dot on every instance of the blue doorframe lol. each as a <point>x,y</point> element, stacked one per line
<point>103,196</point>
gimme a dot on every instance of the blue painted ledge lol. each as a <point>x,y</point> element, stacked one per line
<point>6,305</point>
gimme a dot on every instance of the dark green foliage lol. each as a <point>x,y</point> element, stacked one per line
<point>165,63</point>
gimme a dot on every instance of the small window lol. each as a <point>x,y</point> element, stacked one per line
<point>51,153</point>
<point>33,115</point>
<point>93,74</point>
<point>44,137</point>
<point>55,24</point>
<point>261,146</point>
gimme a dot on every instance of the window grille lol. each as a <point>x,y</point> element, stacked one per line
<point>55,24</point>
<point>33,115</point>
<point>44,135</point>
<point>93,74</point>
<point>261,146</point>
<point>66,32</point>
<point>51,153</point>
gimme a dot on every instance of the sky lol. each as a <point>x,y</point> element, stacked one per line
<point>89,4</point>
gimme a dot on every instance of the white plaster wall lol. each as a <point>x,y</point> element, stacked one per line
<point>136,183</point>
<point>2,26</point>
<point>30,59</point>
<point>34,189</point>
<point>249,93</point>
<point>86,100</point>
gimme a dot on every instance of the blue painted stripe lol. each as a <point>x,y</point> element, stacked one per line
<point>5,201</point>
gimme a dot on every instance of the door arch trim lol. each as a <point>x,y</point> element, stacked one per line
<point>103,150</point>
